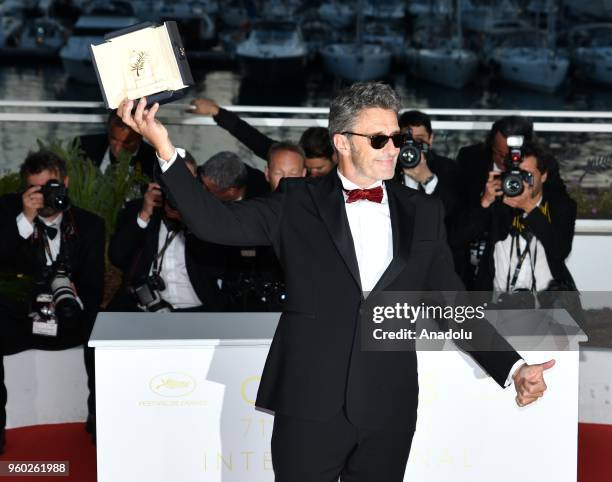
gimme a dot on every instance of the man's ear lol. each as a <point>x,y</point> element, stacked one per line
<point>341,143</point>
<point>267,173</point>
<point>431,139</point>
<point>544,177</point>
<point>66,181</point>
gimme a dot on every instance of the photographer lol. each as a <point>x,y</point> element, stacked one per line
<point>529,228</point>
<point>61,249</point>
<point>253,280</point>
<point>104,149</point>
<point>434,174</point>
<point>165,268</point>
<point>467,235</point>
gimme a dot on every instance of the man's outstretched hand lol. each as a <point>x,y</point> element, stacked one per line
<point>529,382</point>
<point>144,122</point>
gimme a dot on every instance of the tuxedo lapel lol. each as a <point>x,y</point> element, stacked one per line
<point>328,197</point>
<point>402,216</point>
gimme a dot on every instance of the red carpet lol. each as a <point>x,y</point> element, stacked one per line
<point>594,452</point>
<point>70,442</point>
<point>67,441</point>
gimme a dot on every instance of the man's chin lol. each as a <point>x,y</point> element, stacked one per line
<point>47,212</point>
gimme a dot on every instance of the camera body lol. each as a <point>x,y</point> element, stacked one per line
<point>410,153</point>
<point>513,177</point>
<point>55,195</point>
<point>146,293</point>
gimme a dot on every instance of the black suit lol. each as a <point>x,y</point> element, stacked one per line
<point>133,249</point>
<point>315,366</point>
<point>86,254</point>
<point>96,145</point>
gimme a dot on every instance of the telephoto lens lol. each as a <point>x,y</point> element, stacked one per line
<point>67,306</point>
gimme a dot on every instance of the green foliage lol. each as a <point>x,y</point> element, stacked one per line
<point>592,203</point>
<point>102,193</point>
<point>9,182</point>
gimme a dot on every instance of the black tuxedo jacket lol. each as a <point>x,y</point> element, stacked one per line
<point>315,365</point>
<point>95,146</point>
<point>86,254</point>
<point>133,249</point>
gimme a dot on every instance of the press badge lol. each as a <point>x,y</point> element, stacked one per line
<point>46,328</point>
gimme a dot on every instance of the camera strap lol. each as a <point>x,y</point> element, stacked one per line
<point>159,259</point>
<point>521,256</point>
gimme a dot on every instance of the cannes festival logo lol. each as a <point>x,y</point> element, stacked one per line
<point>172,384</point>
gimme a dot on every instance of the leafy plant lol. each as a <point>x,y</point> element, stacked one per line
<point>102,193</point>
<point>9,182</point>
<point>592,203</point>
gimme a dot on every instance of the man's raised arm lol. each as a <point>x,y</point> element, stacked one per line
<point>252,222</point>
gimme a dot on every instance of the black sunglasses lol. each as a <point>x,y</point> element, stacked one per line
<point>378,141</point>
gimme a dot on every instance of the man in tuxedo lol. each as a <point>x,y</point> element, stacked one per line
<point>150,240</point>
<point>37,237</point>
<point>338,238</point>
<point>103,149</point>
<point>435,174</point>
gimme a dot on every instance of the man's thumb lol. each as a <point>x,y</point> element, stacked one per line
<point>548,364</point>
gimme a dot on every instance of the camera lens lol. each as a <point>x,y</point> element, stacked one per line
<point>409,156</point>
<point>512,185</point>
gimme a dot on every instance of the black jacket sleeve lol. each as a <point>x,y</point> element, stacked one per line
<point>256,141</point>
<point>128,237</point>
<point>88,269</point>
<point>250,222</point>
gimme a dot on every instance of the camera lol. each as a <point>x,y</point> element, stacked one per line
<point>55,195</point>
<point>513,177</point>
<point>54,298</point>
<point>147,294</point>
<point>410,153</point>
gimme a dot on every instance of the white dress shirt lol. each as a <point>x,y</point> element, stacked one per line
<point>370,224</point>
<point>179,291</point>
<point>429,188</point>
<point>535,264</point>
<point>26,228</point>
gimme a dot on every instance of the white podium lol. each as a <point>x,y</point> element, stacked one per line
<point>175,397</point>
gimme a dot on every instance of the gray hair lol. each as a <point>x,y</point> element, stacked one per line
<point>349,102</point>
<point>226,170</point>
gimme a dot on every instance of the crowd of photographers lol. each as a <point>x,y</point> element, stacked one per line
<point>509,220</point>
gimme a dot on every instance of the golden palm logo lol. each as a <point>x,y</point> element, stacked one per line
<point>172,384</point>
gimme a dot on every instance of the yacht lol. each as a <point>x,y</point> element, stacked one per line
<point>38,37</point>
<point>337,14</point>
<point>89,29</point>
<point>274,51</point>
<point>591,51</point>
<point>356,62</point>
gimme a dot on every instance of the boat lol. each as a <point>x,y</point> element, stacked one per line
<point>38,38</point>
<point>541,67</point>
<point>591,51</point>
<point>89,29</point>
<point>357,61</point>
<point>274,51</point>
<point>337,14</point>
<point>448,64</point>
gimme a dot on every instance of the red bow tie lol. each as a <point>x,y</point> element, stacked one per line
<point>375,194</point>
